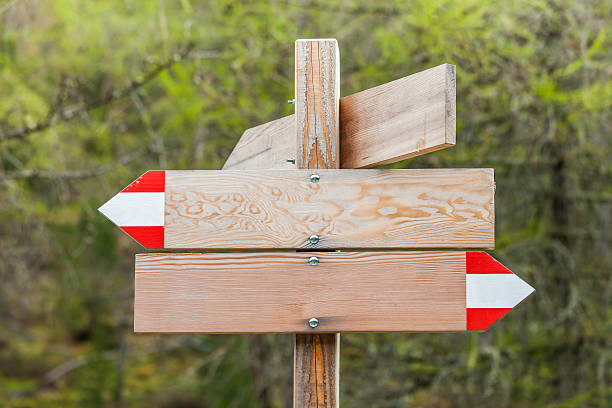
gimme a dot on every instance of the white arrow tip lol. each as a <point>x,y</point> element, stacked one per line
<point>135,209</point>
<point>495,290</point>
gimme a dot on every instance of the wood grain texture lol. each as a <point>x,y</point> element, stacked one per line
<point>401,208</point>
<point>280,292</point>
<point>266,146</point>
<point>399,119</point>
<point>404,118</point>
<point>317,96</point>
<point>316,362</point>
<point>315,378</point>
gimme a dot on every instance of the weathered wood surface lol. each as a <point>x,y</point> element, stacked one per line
<point>280,292</point>
<point>400,119</point>
<point>404,118</point>
<point>438,208</point>
<point>317,96</point>
<point>316,368</point>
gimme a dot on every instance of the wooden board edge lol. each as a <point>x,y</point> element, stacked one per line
<point>451,106</point>
<point>138,331</point>
<point>409,155</point>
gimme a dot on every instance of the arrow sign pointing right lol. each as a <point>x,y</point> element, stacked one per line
<point>345,291</point>
<point>491,290</point>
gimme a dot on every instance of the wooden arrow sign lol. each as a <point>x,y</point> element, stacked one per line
<point>345,292</point>
<point>437,208</point>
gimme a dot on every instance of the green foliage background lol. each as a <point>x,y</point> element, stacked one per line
<point>534,101</point>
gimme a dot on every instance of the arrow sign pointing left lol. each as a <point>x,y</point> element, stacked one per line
<point>139,209</point>
<point>242,209</point>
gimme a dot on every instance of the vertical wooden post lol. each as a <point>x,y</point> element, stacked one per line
<point>317,101</point>
<point>316,376</point>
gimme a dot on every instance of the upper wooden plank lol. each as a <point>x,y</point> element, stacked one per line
<point>280,292</point>
<point>317,96</point>
<point>400,119</point>
<point>242,209</point>
<point>407,117</point>
<point>266,146</point>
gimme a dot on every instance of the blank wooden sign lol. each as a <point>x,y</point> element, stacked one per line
<point>345,291</point>
<point>240,209</point>
<point>404,118</point>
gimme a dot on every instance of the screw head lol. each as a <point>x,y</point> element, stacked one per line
<point>291,101</point>
<point>313,239</point>
<point>313,260</point>
<point>314,178</point>
<point>313,322</point>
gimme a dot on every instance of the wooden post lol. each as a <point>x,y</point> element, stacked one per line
<point>316,377</point>
<point>317,101</point>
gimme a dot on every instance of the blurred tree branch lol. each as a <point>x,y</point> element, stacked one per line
<point>70,174</point>
<point>68,114</point>
<point>351,9</point>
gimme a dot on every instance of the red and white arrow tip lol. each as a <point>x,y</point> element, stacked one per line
<point>491,290</point>
<point>139,209</point>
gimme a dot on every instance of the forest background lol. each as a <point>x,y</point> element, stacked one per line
<point>93,93</point>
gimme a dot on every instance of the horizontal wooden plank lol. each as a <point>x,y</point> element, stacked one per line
<point>347,208</point>
<point>242,209</point>
<point>404,118</point>
<point>280,292</point>
<point>345,291</point>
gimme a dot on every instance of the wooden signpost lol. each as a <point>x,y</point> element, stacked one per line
<point>287,185</point>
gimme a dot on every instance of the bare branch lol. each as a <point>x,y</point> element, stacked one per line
<point>350,10</point>
<point>68,114</point>
<point>69,174</point>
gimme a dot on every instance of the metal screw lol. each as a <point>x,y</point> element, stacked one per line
<point>313,322</point>
<point>291,101</point>
<point>313,260</point>
<point>313,239</point>
<point>291,161</point>
<point>314,178</point>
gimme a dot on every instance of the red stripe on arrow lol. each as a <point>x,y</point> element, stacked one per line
<point>150,237</point>
<point>153,181</point>
<point>482,318</point>
<point>481,262</point>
